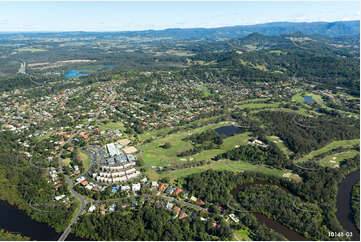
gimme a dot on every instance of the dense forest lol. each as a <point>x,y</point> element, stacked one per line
<point>270,155</point>
<point>355,204</point>
<point>25,186</point>
<point>316,132</point>
<point>149,223</point>
<point>206,140</point>
<point>317,187</point>
<point>6,236</point>
<point>280,206</point>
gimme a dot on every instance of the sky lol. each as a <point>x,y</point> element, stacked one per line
<point>124,16</point>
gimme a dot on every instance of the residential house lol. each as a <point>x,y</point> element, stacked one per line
<point>91,208</point>
<point>200,202</point>
<point>183,215</point>
<point>169,205</point>
<point>176,209</point>
<point>177,191</point>
<point>136,187</point>
<point>234,218</point>
<point>125,188</point>
<point>163,186</point>
<point>102,210</point>
<point>57,198</point>
<point>154,184</point>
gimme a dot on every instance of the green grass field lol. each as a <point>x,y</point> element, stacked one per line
<point>66,161</point>
<point>334,159</point>
<point>154,155</point>
<point>85,158</point>
<point>301,111</point>
<point>112,125</point>
<point>31,50</point>
<point>299,97</point>
<point>241,235</point>
<point>235,166</point>
<point>258,105</point>
<point>333,145</point>
<point>205,91</point>
<point>280,145</point>
<point>162,132</point>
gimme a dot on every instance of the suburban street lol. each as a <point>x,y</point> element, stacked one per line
<point>69,182</point>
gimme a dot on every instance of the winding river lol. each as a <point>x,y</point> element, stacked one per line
<point>14,220</point>
<point>17,221</point>
<point>270,223</point>
<point>344,211</point>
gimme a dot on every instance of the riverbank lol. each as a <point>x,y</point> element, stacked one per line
<point>14,220</point>
<point>344,210</point>
<point>270,223</point>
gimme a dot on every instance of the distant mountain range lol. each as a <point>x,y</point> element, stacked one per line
<point>331,29</point>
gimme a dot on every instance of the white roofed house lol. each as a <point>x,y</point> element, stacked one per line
<point>125,188</point>
<point>169,205</point>
<point>89,187</point>
<point>92,208</point>
<point>136,187</point>
<point>57,198</point>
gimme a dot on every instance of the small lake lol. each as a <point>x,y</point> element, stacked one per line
<point>308,99</point>
<point>344,211</point>
<point>81,72</point>
<point>229,130</point>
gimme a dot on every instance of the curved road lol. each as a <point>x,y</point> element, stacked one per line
<point>83,201</point>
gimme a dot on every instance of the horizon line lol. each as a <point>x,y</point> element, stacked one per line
<point>143,30</point>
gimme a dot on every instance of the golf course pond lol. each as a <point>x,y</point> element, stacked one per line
<point>308,99</point>
<point>229,130</point>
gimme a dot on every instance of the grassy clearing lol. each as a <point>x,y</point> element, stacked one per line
<point>277,52</point>
<point>333,145</point>
<point>299,97</point>
<point>112,125</point>
<point>250,47</point>
<point>281,145</point>
<point>255,100</point>
<point>301,111</point>
<point>258,105</point>
<point>335,159</point>
<point>235,166</point>
<point>85,159</point>
<point>154,155</point>
<point>43,137</point>
<point>241,235</point>
<point>66,161</point>
<point>31,50</point>
<point>205,91</point>
<point>154,134</point>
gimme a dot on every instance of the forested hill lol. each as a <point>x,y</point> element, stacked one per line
<point>331,29</point>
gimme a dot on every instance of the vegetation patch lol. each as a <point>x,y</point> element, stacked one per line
<point>355,204</point>
<point>331,146</point>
